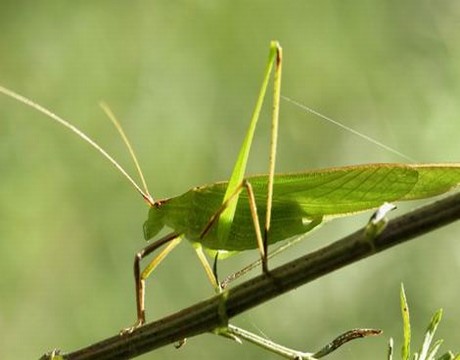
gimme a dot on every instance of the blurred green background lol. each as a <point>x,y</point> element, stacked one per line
<point>183,77</point>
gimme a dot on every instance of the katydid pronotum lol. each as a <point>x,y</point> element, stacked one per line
<point>226,216</point>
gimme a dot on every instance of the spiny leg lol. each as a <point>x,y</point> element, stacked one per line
<point>275,57</point>
<point>171,240</point>
<point>273,143</point>
<point>238,173</point>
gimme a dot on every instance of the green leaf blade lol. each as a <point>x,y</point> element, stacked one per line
<point>405,351</point>
<point>429,334</point>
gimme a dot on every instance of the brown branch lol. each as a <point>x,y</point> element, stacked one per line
<point>204,316</point>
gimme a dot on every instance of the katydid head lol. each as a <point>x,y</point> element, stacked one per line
<point>155,221</point>
<point>144,192</point>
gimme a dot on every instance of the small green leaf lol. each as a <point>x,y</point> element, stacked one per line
<point>405,351</point>
<point>430,334</point>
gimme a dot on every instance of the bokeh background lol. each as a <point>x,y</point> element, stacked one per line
<point>183,77</point>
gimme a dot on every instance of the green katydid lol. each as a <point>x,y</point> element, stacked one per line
<point>224,217</point>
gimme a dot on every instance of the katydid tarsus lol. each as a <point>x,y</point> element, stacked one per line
<point>226,216</point>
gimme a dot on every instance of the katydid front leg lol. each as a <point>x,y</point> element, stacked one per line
<point>171,241</point>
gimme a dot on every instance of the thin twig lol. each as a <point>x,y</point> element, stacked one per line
<point>204,316</point>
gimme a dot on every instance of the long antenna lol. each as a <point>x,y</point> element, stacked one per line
<point>131,151</point>
<point>147,197</point>
<point>347,128</point>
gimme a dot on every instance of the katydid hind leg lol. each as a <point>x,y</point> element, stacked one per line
<point>262,241</point>
<point>224,216</point>
<point>239,169</point>
<point>273,146</point>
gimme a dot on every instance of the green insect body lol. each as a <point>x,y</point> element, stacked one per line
<point>301,201</point>
<point>198,205</point>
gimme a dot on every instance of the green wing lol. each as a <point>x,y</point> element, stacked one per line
<point>345,190</point>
